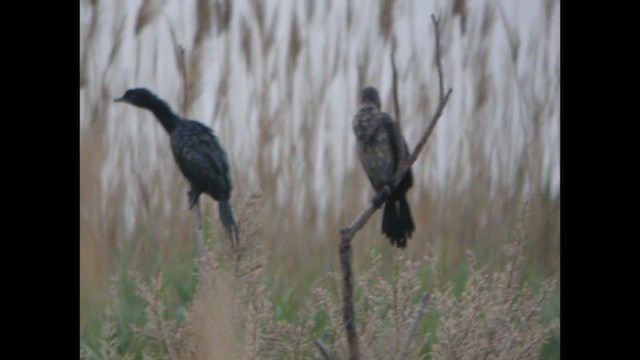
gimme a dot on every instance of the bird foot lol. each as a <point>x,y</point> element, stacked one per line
<point>380,197</point>
<point>193,198</point>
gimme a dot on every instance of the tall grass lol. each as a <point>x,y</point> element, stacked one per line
<point>278,82</point>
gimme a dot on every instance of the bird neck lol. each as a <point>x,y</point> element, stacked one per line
<point>164,114</point>
<point>371,104</point>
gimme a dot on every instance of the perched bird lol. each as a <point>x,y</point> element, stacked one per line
<point>196,150</point>
<point>379,151</point>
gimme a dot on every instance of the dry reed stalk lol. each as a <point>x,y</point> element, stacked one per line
<point>148,11</point>
<point>386,19</point>
<point>88,42</point>
<point>223,11</point>
<point>295,45</point>
<point>203,21</point>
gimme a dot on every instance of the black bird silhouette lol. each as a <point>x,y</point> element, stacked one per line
<point>379,151</point>
<point>198,154</point>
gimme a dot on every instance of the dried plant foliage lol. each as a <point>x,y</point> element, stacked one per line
<point>496,317</point>
<point>162,333</point>
<point>110,340</point>
<point>385,304</point>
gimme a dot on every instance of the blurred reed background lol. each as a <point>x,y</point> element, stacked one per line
<point>278,81</point>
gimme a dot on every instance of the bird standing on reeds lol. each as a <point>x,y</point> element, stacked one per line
<point>379,151</point>
<point>198,153</point>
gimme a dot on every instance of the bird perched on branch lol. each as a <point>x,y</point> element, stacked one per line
<point>196,150</point>
<point>380,148</point>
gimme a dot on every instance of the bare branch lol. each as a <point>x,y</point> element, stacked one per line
<point>402,169</point>
<point>414,324</point>
<point>323,349</point>
<point>347,233</point>
<point>348,313</point>
<point>394,75</point>
<point>436,23</point>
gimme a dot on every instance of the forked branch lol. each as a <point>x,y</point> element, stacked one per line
<point>326,353</point>
<point>347,233</point>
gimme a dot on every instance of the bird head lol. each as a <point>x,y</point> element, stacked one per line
<point>140,97</point>
<point>370,95</point>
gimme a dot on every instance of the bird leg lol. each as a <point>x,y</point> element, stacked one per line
<point>193,198</point>
<point>195,205</point>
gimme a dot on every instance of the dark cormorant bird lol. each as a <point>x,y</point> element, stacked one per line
<point>379,152</point>
<point>196,150</point>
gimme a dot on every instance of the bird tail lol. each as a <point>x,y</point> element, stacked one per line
<point>397,223</point>
<point>226,217</point>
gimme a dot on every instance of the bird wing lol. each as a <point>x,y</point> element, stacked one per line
<point>201,158</point>
<point>398,143</point>
<point>393,133</point>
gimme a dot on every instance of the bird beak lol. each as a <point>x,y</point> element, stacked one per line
<point>120,99</point>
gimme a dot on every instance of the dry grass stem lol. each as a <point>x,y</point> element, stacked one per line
<point>412,328</point>
<point>149,10</point>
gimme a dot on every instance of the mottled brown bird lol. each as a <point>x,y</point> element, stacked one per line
<point>379,151</point>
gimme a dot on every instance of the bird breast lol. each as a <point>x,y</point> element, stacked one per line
<point>374,149</point>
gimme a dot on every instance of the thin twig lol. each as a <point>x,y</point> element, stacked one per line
<point>404,166</point>
<point>402,169</point>
<point>394,76</point>
<point>412,327</point>
<point>323,349</point>
<point>436,25</point>
<point>399,140</point>
<point>239,276</point>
